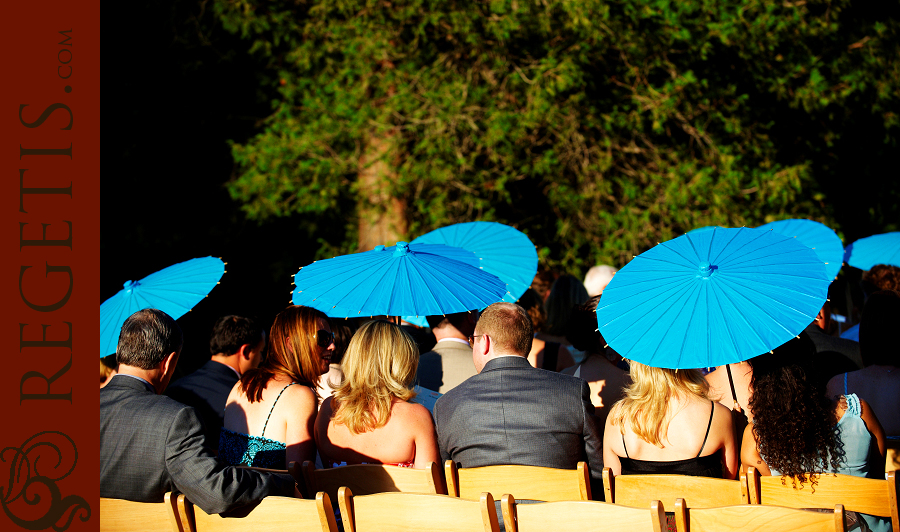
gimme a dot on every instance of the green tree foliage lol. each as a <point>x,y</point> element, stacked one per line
<point>596,127</point>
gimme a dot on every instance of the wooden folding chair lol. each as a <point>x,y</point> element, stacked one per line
<point>581,516</point>
<point>272,514</point>
<point>400,512</point>
<point>702,492</point>
<point>864,495</point>
<point>367,479</point>
<point>752,518</point>
<point>120,515</point>
<point>523,482</point>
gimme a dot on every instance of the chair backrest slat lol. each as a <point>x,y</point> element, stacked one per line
<point>120,515</point>
<point>701,492</point>
<point>368,479</point>
<point>383,512</point>
<point>523,482</point>
<point>856,494</point>
<point>749,517</point>
<point>582,515</point>
<point>272,514</point>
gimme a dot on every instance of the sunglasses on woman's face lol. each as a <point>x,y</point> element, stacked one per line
<point>324,338</point>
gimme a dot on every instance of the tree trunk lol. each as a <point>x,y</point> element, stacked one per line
<point>382,217</point>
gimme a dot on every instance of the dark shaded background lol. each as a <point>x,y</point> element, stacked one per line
<point>176,87</point>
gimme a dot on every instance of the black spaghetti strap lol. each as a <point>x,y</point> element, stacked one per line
<point>623,446</point>
<point>711,410</point>
<point>273,408</point>
<point>737,405</point>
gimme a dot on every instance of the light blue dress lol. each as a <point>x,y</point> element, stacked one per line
<point>861,454</point>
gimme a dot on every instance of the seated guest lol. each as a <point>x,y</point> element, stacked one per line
<point>151,444</point>
<point>879,382</point>
<point>552,356</point>
<point>450,361</point>
<point>597,278</point>
<point>370,419</point>
<point>270,413</point>
<point>513,413</point>
<point>328,381</point>
<point>566,293</point>
<point>237,345</point>
<point>799,432</point>
<point>667,424</point>
<point>607,382</point>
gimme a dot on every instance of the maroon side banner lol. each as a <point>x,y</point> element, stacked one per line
<point>49,274</point>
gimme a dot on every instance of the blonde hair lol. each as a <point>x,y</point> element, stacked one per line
<point>647,399</point>
<point>379,365</point>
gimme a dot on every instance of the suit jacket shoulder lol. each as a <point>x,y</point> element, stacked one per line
<point>445,367</point>
<point>151,444</point>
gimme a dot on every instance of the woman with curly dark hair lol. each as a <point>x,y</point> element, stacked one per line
<point>798,432</point>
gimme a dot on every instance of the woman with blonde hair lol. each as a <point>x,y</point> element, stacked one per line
<point>667,424</point>
<point>370,419</point>
<point>270,413</point>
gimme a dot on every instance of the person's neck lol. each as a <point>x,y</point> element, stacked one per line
<point>150,375</point>
<point>232,361</point>
<point>448,332</point>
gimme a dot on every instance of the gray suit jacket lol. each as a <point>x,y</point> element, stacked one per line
<point>445,367</point>
<point>151,444</point>
<point>512,413</point>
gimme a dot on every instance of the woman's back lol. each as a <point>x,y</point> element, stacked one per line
<point>269,432</point>
<point>403,440</point>
<point>666,424</point>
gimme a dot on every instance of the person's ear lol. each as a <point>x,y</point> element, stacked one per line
<point>245,351</point>
<point>168,364</point>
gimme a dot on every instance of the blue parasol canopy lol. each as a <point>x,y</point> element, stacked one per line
<point>872,250</point>
<point>712,297</point>
<point>406,279</point>
<point>174,290</point>
<point>502,250</point>
<point>818,237</point>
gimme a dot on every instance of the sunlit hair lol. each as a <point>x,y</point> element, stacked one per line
<point>881,277</point>
<point>293,352</point>
<point>647,399</point>
<point>379,365</point>
<point>793,420</point>
<point>508,326</point>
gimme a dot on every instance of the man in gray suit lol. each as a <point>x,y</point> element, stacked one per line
<point>450,362</point>
<point>151,444</point>
<point>512,413</point>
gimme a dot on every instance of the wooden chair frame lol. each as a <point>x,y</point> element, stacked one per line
<point>702,492</point>
<point>416,511</point>
<point>747,517</point>
<point>273,514</point>
<point>864,495</point>
<point>524,482</point>
<point>121,515</point>
<point>367,479</point>
<point>582,515</point>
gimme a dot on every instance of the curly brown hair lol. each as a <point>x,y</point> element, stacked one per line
<point>881,277</point>
<point>794,423</point>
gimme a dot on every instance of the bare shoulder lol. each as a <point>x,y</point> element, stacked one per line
<point>298,396</point>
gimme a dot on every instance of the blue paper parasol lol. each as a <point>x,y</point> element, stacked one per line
<point>872,250</point>
<point>711,298</point>
<point>818,237</point>
<point>503,250</point>
<point>406,279</point>
<point>174,290</point>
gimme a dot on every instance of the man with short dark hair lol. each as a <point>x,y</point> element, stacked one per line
<point>450,361</point>
<point>512,413</point>
<point>151,444</point>
<point>236,345</point>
